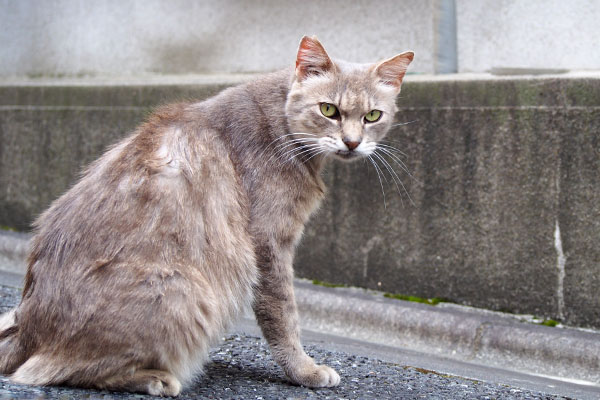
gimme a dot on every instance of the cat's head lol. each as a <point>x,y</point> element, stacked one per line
<point>341,108</point>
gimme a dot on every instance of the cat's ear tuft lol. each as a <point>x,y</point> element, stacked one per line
<point>391,72</point>
<point>312,59</point>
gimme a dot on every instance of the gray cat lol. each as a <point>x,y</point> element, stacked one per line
<point>142,265</point>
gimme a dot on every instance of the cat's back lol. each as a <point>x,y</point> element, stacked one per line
<point>174,192</point>
<point>157,197</point>
<point>167,167</point>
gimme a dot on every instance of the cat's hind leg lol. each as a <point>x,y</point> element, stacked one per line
<point>44,369</point>
<point>39,370</point>
<point>11,353</point>
<point>150,381</point>
<point>7,320</point>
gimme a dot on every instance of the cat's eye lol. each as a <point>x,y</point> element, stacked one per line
<point>373,116</point>
<point>329,110</point>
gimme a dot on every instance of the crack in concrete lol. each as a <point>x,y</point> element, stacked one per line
<point>476,345</point>
<point>366,250</point>
<point>560,264</point>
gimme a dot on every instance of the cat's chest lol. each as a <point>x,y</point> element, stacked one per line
<point>282,204</point>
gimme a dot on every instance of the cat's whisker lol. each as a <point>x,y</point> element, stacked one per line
<point>396,179</point>
<point>290,134</point>
<point>281,153</point>
<point>392,148</point>
<point>404,123</point>
<point>292,141</point>
<point>295,152</point>
<point>393,174</point>
<point>267,147</point>
<point>316,154</point>
<point>286,139</point>
<point>394,157</point>
<point>380,181</point>
<point>400,163</point>
<point>284,147</point>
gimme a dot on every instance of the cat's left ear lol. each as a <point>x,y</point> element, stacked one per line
<point>391,72</point>
<point>312,59</point>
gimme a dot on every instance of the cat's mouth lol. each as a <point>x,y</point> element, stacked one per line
<point>347,154</point>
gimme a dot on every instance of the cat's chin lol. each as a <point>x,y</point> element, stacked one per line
<point>348,155</point>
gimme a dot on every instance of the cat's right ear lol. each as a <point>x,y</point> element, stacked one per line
<point>312,59</point>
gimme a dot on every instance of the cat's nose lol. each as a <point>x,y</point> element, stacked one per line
<point>350,144</point>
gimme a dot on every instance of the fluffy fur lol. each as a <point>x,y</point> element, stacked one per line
<point>137,269</point>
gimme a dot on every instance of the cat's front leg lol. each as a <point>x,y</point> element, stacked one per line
<point>275,310</point>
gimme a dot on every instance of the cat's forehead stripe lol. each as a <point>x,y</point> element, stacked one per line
<point>352,101</point>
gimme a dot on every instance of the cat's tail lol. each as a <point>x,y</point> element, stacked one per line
<point>11,354</point>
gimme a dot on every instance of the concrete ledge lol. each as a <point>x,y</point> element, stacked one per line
<point>457,332</point>
<point>503,183</point>
<point>13,251</point>
<point>463,333</point>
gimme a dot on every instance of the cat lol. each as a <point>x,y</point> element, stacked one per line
<point>135,271</point>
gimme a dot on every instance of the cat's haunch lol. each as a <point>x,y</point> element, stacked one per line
<point>175,230</point>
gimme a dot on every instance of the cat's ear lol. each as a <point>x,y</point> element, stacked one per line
<point>312,59</point>
<point>392,71</point>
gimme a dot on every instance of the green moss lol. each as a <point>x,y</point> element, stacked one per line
<point>327,284</point>
<point>7,228</point>
<point>549,322</point>
<point>432,302</point>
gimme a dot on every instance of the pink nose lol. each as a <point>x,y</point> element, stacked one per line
<point>351,145</point>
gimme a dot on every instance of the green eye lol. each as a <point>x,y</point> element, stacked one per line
<point>329,110</point>
<point>373,116</point>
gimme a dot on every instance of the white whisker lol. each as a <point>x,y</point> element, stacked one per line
<point>380,182</point>
<point>396,179</point>
<point>404,123</point>
<point>393,174</point>
<point>283,148</point>
<point>392,148</point>
<point>316,154</point>
<point>296,151</point>
<point>400,163</point>
<point>281,138</point>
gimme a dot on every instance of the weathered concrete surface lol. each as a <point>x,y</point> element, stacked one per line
<point>579,216</point>
<point>464,333</point>
<point>111,37</point>
<point>71,38</point>
<point>497,165</point>
<point>527,34</point>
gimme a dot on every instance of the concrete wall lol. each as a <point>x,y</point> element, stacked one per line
<point>115,37</point>
<point>506,210</point>
<point>529,34</point>
<point>505,174</point>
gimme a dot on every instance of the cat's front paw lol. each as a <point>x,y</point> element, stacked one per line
<point>313,375</point>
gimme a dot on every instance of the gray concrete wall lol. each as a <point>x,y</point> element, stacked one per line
<point>527,34</point>
<point>133,37</point>
<point>115,37</point>
<point>501,168</point>
<point>505,174</point>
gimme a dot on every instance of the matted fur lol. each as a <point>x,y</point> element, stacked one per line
<point>137,269</point>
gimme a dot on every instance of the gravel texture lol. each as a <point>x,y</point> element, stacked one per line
<point>241,368</point>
